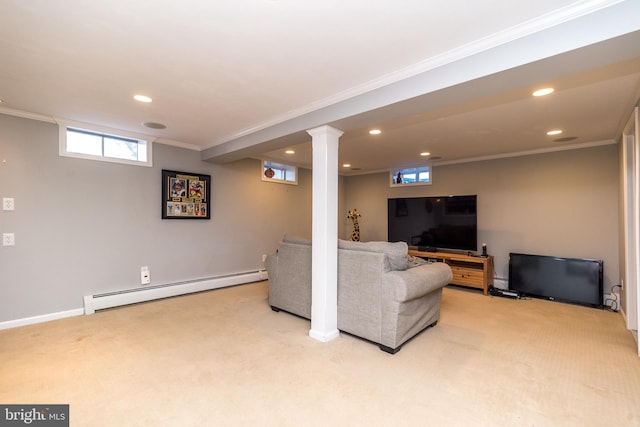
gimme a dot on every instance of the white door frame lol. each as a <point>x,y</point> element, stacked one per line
<point>631,223</point>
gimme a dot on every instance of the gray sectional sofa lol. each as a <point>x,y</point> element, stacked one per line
<point>384,295</point>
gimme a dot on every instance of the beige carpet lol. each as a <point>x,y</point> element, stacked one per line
<point>223,358</point>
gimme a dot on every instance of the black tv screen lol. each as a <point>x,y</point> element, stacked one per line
<point>572,280</point>
<point>434,223</point>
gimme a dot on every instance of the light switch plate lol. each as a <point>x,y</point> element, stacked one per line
<point>8,239</point>
<point>8,204</point>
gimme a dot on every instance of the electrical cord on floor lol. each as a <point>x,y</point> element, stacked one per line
<point>612,304</point>
<point>504,279</point>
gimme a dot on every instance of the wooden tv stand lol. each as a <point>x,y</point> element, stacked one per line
<point>471,271</point>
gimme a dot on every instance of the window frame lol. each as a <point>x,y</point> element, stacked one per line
<point>393,173</point>
<point>66,125</point>
<point>269,163</point>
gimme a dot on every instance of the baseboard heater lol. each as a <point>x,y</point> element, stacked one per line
<point>150,293</point>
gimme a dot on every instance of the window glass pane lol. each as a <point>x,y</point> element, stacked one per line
<point>120,149</point>
<point>106,147</point>
<point>290,173</point>
<point>84,143</point>
<point>278,172</point>
<point>420,175</point>
<point>142,151</point>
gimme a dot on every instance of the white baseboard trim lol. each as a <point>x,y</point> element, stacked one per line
<point>132,296</point>
<point>137,295</point>
<point>40,319</point>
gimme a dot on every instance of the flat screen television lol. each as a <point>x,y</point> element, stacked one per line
<point>447,223</point>
<point>571,280</point>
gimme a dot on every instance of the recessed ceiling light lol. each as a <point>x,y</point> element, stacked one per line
<point>290,152</point>
<point>543,92</point>
<point>425,153</point>
<point>142,98</point>
<point>375,131</point>
<point>346,165</point>
<point>554,132</point>
<point>154,125</point>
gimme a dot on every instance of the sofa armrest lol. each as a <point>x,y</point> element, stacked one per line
<point>416,282</point>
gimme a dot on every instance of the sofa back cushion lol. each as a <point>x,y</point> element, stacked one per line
<point>289,238</point>
<point>397,252</point>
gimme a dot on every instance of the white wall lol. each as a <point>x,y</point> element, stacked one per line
<point>561,204</point>
<point>85,227</point>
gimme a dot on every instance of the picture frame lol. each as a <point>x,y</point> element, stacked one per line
<point>185,195</point>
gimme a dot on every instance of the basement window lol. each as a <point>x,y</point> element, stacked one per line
<point>411,176</point>
<point>279,172</point>
<point>86,142</point>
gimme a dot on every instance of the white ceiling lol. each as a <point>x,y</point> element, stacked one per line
<point>246,78</point>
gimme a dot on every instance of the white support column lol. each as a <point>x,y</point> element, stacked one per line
<point>324,258</point>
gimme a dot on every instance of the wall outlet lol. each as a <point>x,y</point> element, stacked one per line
<point>145,275</point>
<point>264,257</point>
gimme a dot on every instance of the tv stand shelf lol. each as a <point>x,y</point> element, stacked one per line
<point>471,271</point>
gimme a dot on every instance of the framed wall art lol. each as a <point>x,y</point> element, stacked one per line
<point>185,195</point>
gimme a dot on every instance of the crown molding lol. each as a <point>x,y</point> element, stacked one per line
<point>27,115</point>
<point>529,152</point>
<point>57,120</point>
<point>501,156</point>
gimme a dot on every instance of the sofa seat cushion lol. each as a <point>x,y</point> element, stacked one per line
<point>397,252</point>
